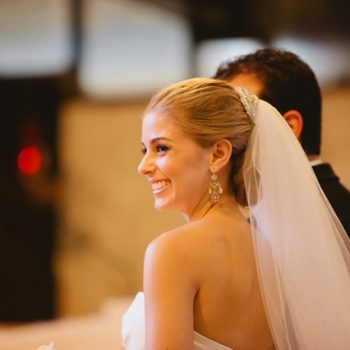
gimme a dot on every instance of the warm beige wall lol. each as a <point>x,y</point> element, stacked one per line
<point>107,212</point>
<point>336,132</point>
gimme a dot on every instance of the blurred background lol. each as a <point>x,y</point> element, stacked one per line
<point>75,76</point>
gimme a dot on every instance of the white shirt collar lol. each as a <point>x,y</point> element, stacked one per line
<point>315,162</point>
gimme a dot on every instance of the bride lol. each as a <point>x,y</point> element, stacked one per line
<point>278,281</point>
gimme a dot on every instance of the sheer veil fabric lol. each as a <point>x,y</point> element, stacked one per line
<point>302,250</point>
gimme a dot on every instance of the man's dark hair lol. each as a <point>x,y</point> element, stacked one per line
<point>287,83</point>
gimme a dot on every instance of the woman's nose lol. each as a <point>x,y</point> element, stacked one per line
<point>146,166</point>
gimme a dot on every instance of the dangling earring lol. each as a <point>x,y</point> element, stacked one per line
<point>215,189</point>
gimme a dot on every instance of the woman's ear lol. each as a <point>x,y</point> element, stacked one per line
<point>295,121</point>
<point>220,155</point>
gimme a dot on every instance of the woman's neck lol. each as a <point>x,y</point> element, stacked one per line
<point>226,205</point>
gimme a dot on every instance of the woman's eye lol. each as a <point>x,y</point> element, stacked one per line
<point>161,148</point>
<point>143,151</point>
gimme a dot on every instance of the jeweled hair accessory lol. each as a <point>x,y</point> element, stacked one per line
<point>248,100</point>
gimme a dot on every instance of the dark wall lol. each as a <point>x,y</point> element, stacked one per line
<point>28,117</point>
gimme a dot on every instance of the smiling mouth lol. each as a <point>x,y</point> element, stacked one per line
<point>159,185</point>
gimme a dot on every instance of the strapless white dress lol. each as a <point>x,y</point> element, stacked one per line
<point>133,330</point>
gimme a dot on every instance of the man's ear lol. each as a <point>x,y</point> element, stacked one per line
<point>220,155</point>
<point>295,121</point>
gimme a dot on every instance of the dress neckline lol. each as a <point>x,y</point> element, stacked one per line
<point>200,339</point>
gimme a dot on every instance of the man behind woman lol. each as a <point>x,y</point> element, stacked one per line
<point>281,78</point>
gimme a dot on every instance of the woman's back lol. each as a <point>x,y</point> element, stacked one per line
<point>212,271</point>
<point>228,307</point>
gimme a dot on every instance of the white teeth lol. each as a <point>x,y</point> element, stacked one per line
<point>159,184</point>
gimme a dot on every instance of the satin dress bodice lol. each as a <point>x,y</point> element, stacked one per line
<point>133,330</point>
<point>200,342</point>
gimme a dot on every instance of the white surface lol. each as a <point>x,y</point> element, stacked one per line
<point>211,53</point>
<point>132,49</point>
<point>100,331</point>
<point>34,37</point>
<point>329,59</point>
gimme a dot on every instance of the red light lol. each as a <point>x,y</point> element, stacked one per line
<point>29,160</point>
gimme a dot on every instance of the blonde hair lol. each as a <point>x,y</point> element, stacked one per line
<point>209,110</point>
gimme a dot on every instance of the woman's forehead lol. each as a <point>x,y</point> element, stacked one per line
<point>158,124</point>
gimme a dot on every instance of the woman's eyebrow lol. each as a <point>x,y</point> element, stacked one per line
<point>156,139</point>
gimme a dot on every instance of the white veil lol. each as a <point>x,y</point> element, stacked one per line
<point>302,250</point>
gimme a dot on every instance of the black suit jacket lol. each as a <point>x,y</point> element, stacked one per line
<point>337,194</point>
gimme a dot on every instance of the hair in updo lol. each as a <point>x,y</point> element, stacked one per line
<point>209,110</point>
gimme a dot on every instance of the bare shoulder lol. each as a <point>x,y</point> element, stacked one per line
<point>173,245</point>
<point>209,231</point>
<point>180,241</point>
<point>175,252</point>
<point>193,246</point>
<point>169,262</point>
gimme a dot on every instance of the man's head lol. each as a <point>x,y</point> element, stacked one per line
<point>285,81</point>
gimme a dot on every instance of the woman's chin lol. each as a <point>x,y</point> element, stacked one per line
<point>161,205</point>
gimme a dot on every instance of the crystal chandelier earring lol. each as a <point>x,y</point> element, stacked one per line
<point>215,189</point>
